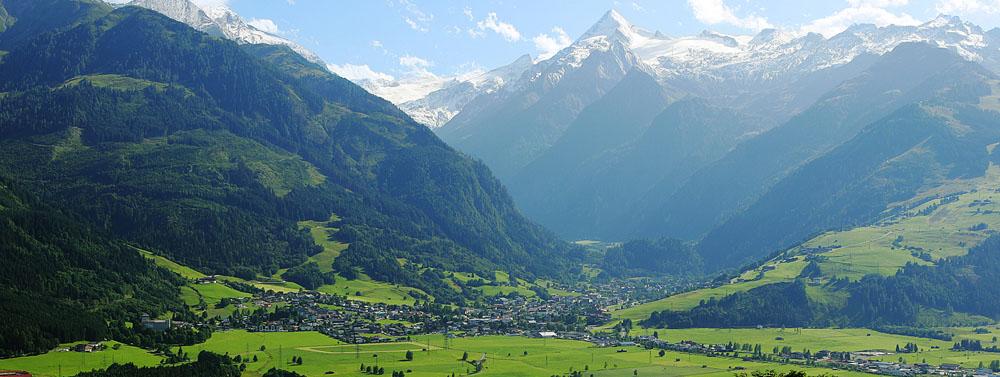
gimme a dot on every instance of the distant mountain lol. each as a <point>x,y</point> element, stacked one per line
<point>575,149</point>
<point>150,133</point>
<point>510,128</point>
<point>438,107</point>
<point>572,186</point>
<point>936,133</point>
<point>222,22</point>
<point>729,185</point>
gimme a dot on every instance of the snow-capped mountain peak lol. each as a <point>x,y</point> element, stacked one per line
<point>221,21</point>
<point>612,24</point>
<point>439,106</point>
<point>182,11</point>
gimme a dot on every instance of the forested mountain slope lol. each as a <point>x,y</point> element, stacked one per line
<point>209,152</point>
<point>62,280</point>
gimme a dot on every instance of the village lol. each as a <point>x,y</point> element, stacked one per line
<point>354,321</point>
<point>570,317</point>
<point>860,361</point>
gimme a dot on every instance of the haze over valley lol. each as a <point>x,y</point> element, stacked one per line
<point>425,188</point>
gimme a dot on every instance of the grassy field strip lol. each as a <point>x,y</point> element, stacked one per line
<point>361,289</point>
<point>505,356</point>
<point>373,348</point>
<point>853,339</point>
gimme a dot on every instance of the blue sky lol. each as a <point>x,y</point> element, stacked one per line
<point>403,37</point>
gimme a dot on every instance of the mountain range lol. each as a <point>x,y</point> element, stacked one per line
<point>628,133</point>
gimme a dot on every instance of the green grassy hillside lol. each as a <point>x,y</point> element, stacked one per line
<point>939,223</point>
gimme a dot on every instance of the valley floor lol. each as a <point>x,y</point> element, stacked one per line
<point>522,356</point>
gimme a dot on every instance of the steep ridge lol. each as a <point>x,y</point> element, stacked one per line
<point>222,22</point>
<point>509,129</point>
<point>914,148</point>
<point>219,139</point>
<point>555,189</point>
<point>927,173</point>
<point>731,184</point>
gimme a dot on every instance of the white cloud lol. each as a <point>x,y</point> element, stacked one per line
<point>968,8</point>
<point>548,45</point>
<point>414,63</point>
<point>468,14</point>
<point>638,7</point>
<point>714,12</point>
<point>861,12</point>
<point>415,17</point>
<point>264,24</point>
<point>493,23</point>
<point>414,25</point>
<point>358,72</point>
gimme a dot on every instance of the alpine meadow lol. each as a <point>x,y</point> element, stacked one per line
<point>306,188</point>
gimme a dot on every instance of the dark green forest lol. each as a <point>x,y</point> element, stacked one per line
<point>64,281</point>
<point>207,365</point>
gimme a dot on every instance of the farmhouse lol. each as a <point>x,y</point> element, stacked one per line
<point>544,334</point>
<point>87,347</point>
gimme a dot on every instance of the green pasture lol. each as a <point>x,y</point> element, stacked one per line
<point>66,363</point>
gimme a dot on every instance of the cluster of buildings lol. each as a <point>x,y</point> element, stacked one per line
<point>364,322</point>
<point>864,361</point>
<point>347,320</point>
<point>887,368</point>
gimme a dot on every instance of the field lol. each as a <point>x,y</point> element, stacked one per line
<point>361,289</point>
<point>516,356</point>
<point>799,339</point>
<point>505,356</point>
<point>63,363</point>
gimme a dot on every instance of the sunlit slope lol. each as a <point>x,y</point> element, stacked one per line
<point>943,222</point>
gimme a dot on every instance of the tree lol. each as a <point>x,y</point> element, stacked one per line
<point>465,356</point>
<point>409,355</point>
